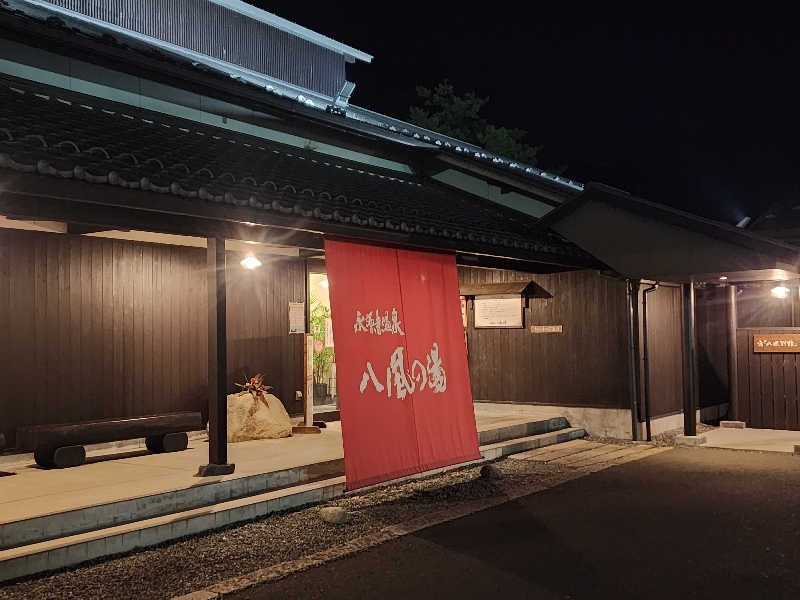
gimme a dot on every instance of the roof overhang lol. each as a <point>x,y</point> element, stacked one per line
<point>550,193</point>
<point>526,288</point>
<point>645,240</point>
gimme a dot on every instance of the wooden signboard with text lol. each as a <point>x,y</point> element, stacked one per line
<point>547,329</point>
<point>776,342</point>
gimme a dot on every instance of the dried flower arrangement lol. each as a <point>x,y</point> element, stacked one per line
<point>256,388</point>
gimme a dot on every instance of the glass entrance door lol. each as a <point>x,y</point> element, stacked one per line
<point>320,326</point>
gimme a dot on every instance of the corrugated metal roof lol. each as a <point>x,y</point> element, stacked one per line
<point>293,28</point>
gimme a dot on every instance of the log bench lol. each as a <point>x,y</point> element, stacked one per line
<point>62,444</point>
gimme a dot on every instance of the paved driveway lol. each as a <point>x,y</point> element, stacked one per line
<point>687,523</point>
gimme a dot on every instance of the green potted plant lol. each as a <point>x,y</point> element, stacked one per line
<point>323,356</point>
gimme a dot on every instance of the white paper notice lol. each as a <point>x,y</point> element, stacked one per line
<point>297,317</point>
<point>498,311</point>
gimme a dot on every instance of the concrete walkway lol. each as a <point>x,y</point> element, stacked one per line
<point>34,492</point>
<point>113,475</point>
<point>767,440</point>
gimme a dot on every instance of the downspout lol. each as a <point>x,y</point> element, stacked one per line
<point>646,358</point>
<point>633,353</point>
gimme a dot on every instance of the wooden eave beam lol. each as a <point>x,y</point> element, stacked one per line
<point>39,197</point>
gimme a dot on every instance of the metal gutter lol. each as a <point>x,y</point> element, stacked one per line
<point>632,286</point>
<point>458,146</point>
<point>646,359</point>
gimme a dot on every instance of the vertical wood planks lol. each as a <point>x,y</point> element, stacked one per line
<point>769,387</point>
<point>86,328</point>
<point>584,366</point>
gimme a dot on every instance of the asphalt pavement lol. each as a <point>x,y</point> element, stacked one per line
<point>688,523</point>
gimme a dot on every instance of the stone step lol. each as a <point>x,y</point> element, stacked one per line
<point>531,442</point>
<point>75,549</point>
<point>91,518</point>
<point>522,428</point>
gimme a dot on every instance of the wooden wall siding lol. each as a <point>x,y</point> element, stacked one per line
<point>768,384</point>
<point>665,343</point>
<point>711,322</point>
<point>258,325</point>
<point>584,366</point>
<point>93,328</point>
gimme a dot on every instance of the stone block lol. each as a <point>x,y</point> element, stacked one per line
<point>690,440</point>
<point>335,515</point>
<point>732,424</point>
<point>490,472</point>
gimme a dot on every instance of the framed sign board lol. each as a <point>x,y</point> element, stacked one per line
<point>502,311</point>
<point>776,342</point>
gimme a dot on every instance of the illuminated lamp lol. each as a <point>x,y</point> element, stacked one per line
<point>780,291</point>
<point>324,283</point>
<point>250,262</point>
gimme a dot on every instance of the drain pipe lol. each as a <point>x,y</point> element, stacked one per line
<point>646,358</point>
<point>633,353</point>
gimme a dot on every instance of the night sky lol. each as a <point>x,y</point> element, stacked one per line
<point>695,111</point>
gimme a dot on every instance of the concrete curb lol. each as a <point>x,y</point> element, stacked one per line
<point>501,449</point>
<point>76,549</point>
<point>38,529</point>
<point>519,430</point>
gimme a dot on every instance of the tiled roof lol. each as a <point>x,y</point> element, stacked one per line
<point>352,116</point>
<point>70,136</point>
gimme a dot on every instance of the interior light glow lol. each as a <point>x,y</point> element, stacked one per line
<point>724,278</point>
<point>250,262</point>
<point>324,283</point>
<point>780,291</point>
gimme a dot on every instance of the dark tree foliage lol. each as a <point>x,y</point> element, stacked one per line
<point>458,115</point>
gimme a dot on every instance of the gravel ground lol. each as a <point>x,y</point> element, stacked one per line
<point>665,439</point>
<point>196,562</point>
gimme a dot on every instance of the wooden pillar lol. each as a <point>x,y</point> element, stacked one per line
<point>217,363</point>
<point>733,365</point>
<point>690,362</point>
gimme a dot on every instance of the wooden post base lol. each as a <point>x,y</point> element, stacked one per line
<point>212,470</point>
<point>306,429</point>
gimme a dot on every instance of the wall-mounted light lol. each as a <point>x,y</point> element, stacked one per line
<point>324,283</point>
<point>780,291</point>
<point>723,278</point>
<point>250,262</point>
